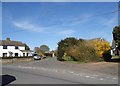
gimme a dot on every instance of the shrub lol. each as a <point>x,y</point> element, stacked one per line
<point>82,52</point>
<point>107,55</point>
<point>67,58</point>
<point>71,49</point>
<point>63,44</point>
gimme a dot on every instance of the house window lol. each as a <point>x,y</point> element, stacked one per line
<point>16,54</point>
<point>23,54</point>
<point>27,54</point>
<point>4,54</point>
<point>16,47</point>
<point>4,46</point>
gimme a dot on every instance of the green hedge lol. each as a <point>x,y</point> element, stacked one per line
<point>16,57</point>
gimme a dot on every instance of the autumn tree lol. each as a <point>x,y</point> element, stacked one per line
<point>100,45</point>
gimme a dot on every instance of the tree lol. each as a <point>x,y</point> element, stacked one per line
<point>8,39</point>
<point>38,51</point>
<point>26,47</point>
<point>63,44</point>
<point>44,48</point>
<point>72,49</point>
<point>116,35</point>
<point>113,44</point>
<point>100,45</point>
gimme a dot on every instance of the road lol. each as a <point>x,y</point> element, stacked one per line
<point>51,71</point>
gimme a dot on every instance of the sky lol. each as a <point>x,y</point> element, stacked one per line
<point>46,23</point>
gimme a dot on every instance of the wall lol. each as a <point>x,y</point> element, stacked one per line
<point>21,48</point>
<point>1,47</point>
<point>4,61</point>
<point>11,49</point>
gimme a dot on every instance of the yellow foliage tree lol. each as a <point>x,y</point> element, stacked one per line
<point>100,45</point>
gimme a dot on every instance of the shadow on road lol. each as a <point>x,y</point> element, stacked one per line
<point>7,79</point>
<point>114,60</point>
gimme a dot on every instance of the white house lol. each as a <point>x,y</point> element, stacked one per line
<point>9,48</point>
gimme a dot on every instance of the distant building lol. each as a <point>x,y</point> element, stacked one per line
<point>114,50</point>
<point>9,48</point>
<point>50,53</point>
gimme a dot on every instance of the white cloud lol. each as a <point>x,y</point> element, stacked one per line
<point>110,22</point>
<point>25,25</point>
<point>66,32</point>
<point>77,20</point>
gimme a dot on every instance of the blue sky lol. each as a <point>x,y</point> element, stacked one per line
<point>47,23</point>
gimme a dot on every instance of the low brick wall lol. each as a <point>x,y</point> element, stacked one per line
<point>4,61</point>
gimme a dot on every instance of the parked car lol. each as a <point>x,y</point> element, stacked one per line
<point>36,57</point>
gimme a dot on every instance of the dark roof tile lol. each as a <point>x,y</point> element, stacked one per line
<point>11,43</point>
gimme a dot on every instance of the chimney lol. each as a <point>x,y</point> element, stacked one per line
<point>8,39</point>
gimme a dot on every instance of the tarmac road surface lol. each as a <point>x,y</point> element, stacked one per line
<point>51,71</point>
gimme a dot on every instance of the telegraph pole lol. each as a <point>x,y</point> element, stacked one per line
<point>119,51</point>
<point>119,13</point>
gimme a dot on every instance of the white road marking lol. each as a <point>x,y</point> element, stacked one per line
<point>101,78</point>
<point>87,76</point>
<point>71,72</point>
<point>55,70</point>
<point>24,67</point>
<point>80,75</point>
<point>114,78</point>
<point>92,76</point>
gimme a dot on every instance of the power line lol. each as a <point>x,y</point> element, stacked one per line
<point>107,13</point>
<point>119,13</point>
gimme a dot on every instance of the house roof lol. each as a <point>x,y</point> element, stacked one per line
<point>11,43</point>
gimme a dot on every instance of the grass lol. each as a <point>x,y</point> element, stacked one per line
<point>78,62</point>
<point>115,57</point>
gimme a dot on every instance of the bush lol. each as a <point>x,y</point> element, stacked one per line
<point>83,53</point>
<point>63,44</point>
<point>67,58</point>
<point>71,49</point>
<point>107,55</point>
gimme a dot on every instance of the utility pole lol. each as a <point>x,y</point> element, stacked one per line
<point>119,25</point>
<point>119,13</point>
